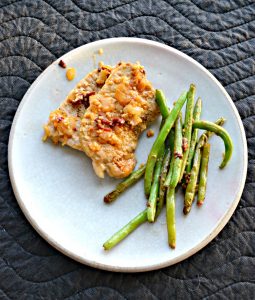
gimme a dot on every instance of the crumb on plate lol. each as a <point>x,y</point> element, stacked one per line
<point>150,133</point>
<point>70,73</point>
<point>62,64</point>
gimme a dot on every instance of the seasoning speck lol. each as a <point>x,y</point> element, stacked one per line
<point>185,144</point>
<point>62,64</point>
<point>150,133</point>
<point>70,73</point>
<point>178,155</point>
<point>100,51</point>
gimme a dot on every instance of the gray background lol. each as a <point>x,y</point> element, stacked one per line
<point>218,34</point>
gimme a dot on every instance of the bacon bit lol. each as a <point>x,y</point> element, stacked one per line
<point>150,133</point>
<point>74,129</point>
<point>62,64</point>
<point>100,121</point>
<point>82,99</point>
<point>105,121</point>
<point>85,102</point>
<point>118,121</point>
<point>187,178</point>
<point>107,129</point>
<point>97,120</point>
<point>185,144</point>
<point>177,155</point>
<point>90,93</point>
<point>59,119</point>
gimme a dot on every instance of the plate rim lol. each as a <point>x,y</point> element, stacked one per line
<point>218,227</point>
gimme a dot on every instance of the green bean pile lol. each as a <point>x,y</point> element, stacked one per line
<point>177,156</point>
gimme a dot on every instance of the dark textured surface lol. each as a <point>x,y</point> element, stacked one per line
<point>220,35</point>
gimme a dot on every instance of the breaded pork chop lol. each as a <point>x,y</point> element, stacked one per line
<point>64,122</point>
<point>117,115</point>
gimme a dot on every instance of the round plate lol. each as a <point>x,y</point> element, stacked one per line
<point>61,196</point>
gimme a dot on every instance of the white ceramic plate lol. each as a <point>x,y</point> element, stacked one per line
<point>63,199</point>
